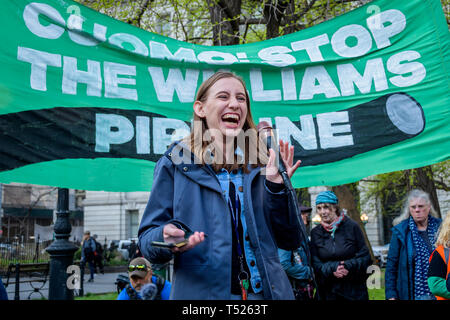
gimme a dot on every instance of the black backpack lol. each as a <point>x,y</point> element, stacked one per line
<point>98,247</point>
<point>87,249</point>
<point>121,282</point>
<point>160,282</point>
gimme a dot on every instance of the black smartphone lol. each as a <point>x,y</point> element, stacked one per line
<point>169,245</point>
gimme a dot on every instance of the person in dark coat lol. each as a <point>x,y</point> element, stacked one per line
<point>340,256</point>
<point>413,241</point>
<point>132,250</point>
<point>244,213</point>
<point>98,257</point>
<point>305,212</point>
<point>88,252</point>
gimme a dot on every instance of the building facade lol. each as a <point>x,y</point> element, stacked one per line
<point>116,215</point>
<point>28,212</point>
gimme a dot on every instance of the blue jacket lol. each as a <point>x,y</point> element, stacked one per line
<point>191,194</point>
<point>165,292</point>
<point>3,293</point>
<point>399,276</point>
<point>297,270</point>
<point>88,245</point>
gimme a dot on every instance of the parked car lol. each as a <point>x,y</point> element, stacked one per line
<point>380,253</point>
<point>114,244</point>
<point>123,247</point>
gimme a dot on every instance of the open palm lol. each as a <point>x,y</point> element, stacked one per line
<point>287,156</point>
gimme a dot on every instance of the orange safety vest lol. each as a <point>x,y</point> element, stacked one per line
<point>444,257</point>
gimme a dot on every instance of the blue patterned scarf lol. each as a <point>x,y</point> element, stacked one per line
<point>422,255</point>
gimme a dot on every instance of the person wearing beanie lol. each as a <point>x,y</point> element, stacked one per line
<point>340,256</point>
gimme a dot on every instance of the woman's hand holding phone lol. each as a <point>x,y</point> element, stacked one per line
<point>176,238</point>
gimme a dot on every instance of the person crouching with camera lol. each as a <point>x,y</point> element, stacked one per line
<point>143,284</point>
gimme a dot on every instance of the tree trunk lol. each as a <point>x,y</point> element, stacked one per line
<point>290,23</point>
<point>274,11</point>
<point>347,201</point>
<point>225,19</point>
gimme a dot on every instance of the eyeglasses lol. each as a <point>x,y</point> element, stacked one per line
<point>139,267</point>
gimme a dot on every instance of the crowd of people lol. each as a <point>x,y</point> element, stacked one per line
<point>220,208</point>
<point>227,221</point>
<point>417,267</point>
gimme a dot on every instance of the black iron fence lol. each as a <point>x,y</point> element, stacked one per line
<point>15,251</point>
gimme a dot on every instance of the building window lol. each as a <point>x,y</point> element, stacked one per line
<point>133,223</point>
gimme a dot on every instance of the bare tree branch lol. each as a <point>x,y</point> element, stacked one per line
<point>440,184</point>
<point>142,11</point>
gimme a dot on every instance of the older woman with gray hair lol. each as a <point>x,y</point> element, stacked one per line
<point>412,242</point>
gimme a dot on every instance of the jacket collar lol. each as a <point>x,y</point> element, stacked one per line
<point>402,231</point>
<point>189,165</point>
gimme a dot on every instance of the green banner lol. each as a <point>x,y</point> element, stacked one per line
<point>88,102</point>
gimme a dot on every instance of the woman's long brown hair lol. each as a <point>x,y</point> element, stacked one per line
<point>252,142</point>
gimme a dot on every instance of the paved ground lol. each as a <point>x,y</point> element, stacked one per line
<point>103,283</point>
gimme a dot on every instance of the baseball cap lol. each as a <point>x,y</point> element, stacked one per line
<point>304,209</point>
<point>139,267</point>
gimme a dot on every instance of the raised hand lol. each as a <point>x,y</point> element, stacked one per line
<point>287,156</point>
